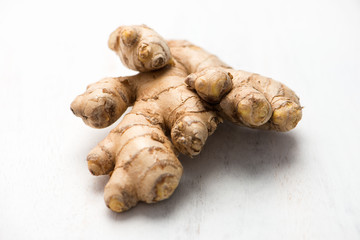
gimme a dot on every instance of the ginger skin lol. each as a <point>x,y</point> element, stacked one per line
<point>182,92</point>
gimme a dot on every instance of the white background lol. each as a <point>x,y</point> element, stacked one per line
<point>245,184</point>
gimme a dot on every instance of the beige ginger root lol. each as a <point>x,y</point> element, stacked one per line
<point>140,48</point>
<point>137,153</point>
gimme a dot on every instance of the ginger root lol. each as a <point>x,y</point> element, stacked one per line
<point>179,97</point>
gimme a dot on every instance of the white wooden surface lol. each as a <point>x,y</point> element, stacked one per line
<point>245,184</point>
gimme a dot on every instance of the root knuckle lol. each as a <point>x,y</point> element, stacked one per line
<point>287,116</point>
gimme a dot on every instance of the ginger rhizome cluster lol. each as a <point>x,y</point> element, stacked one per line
<point>178,98</point>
